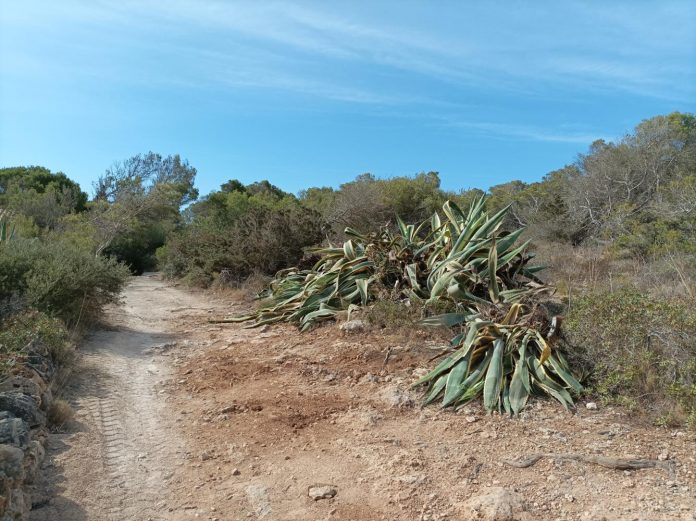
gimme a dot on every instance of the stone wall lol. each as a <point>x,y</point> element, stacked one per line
<point>25,397</point>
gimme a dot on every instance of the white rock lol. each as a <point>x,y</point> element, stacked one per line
<point>318,492</point>
<point>353,326</point>
<point>591,405</point>
<point>258,497</point>
<point>395,397</point>
<point>496,504</point>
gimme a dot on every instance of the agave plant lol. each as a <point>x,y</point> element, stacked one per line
<point>343,278</point>
<point>506,348</point>
<point>506,351</point>
<point>507,361</point>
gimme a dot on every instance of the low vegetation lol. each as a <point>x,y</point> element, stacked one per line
<point>642,354</point>
<point>59,280</point>
<point>241,230</point>
<point>616,229</point>
<point>59,413</point>
<point>21,330</point>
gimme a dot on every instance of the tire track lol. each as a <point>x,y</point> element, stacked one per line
<point>116,463</point>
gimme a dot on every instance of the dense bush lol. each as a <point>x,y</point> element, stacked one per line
<point>58,279</point>
<point>137,204</point>
<point>137,247</point>
<point>50,277</point>
<point>368,203</point>
<point>242,230</point>
<point>641,351</point>
<point>39,195</point>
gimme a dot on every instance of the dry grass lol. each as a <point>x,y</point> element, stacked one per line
<point>244,290</point>
<point>586,269</point>
<point>59,413</point>
<point>401,321</point>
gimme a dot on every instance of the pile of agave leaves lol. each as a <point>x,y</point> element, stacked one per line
<point>506,345</point>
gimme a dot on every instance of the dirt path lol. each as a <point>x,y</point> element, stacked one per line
<point>178,419</point>
<point>117,458</point>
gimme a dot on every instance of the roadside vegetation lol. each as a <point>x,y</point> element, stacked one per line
<point>64,257</point>
<point>613,310</point>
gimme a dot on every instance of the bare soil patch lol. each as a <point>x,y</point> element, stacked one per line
<point>238,423</point>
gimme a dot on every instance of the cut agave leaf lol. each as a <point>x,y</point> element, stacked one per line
<point>494,377</point>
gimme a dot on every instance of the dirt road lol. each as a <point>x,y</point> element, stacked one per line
<point>116,459</point>
<point>180,419</point>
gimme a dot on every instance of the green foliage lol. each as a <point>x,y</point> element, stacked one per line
<point>250,229</point>
<point>633,190</point>
<point>137,246</point>
<point>21,330</point>
<point>666,226</point>
<point>40,195</point>
<point>542,207</point>
<point>58,279</point>
<point>654,236</point>
<point>394,315</point>
<point>505,347</point>
<point>138,201</point>
<point>643,350</point>
<point>149,177</point>
<point>412,198</point>
<point>7,228</point>
<point>321,200</point>
<point>368,203</point>
<point>39,180</point>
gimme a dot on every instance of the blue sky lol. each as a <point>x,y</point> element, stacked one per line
<point>314,93</point>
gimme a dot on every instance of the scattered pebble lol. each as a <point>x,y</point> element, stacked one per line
<point>318,492</point>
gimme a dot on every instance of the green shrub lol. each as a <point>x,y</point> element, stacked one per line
<point>136,248</point>
<point>15,263</point>
<point>58,279</point>
<point>641,351</point>
<point>247,230</point>
<point>21,330</point>
<point>393,315</point>
<point>7,228</point>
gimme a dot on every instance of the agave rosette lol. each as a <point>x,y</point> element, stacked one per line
<point>506,350</point>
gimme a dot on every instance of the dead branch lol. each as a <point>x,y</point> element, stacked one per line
<point>610,463</point>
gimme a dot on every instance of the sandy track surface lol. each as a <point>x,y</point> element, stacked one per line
<point>114,462</point>
<point>180,419</point>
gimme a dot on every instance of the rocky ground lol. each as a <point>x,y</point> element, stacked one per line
<point>181,419</point>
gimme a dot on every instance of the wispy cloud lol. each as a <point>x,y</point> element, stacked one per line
<point>525,132</point>
<point>371,56</point>
<point>575,45</point>
<point>357,53</point>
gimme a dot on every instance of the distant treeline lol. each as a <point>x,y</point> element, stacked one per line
<point>638,194</point>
